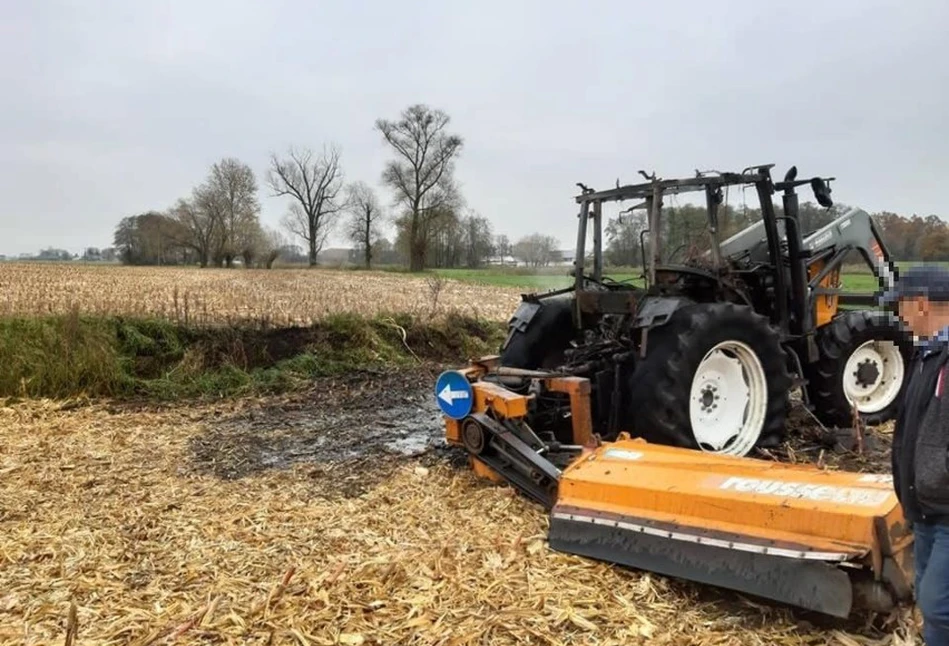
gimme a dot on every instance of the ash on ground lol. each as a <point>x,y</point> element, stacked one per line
<point>355,429</point>
<point>350,429</point>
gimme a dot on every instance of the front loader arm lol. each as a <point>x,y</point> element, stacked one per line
<point>854,230</point>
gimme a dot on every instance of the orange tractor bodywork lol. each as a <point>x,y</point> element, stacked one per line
<point>824,540</point>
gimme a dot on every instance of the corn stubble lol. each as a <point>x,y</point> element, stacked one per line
<point>271,298</point>
<point>109,537</point>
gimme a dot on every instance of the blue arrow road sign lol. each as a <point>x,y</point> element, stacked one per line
<point>454,394</point>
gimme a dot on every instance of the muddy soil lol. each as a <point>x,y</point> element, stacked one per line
<point>353,430</point>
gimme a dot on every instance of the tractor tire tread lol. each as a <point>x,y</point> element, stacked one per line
<point>836,341</point>
<point>661,385</point>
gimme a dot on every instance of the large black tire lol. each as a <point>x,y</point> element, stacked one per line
<point>837,341</point>
<point>661,385</point>
<point>543,343</point>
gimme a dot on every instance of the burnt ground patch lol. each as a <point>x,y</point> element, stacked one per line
<point>808,441</point>
<point>353,429</point>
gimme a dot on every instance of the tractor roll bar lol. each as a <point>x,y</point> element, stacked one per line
<point>670,186</point>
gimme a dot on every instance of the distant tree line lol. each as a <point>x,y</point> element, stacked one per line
<point>51,254</point>
<point>684,236</point>
<point>218,224</point>
<point>915,238</point>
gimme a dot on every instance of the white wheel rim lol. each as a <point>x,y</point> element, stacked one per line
<point>728,402</point>
<point>877,384</point>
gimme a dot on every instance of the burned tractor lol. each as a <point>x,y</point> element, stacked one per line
<point>593,379</point>
<point>704,354</point>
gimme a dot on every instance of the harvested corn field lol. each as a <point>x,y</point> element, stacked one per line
<point>318,518</point>
<point>330,514</point>
<point>276,298</point>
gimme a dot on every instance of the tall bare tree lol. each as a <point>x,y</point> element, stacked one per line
<point>502,246</point>
<point>199,227</point>
<point>315,183</point>
<point>363,227</point>
<point>422,173</point>
<point>229,198</point>
<point>478,239</point>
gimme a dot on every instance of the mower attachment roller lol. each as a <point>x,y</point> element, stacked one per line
<point>821,540</point>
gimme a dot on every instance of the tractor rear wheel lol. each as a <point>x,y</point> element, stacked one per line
<point>864,358</point>
<point>548,335</point>
<point>715,378</point>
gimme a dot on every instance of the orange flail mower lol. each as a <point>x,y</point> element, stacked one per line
<point>821,540</point>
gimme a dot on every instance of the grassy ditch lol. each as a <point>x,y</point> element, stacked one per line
<point>70,356</point>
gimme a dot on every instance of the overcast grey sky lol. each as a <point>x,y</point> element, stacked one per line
<point>114,108</point>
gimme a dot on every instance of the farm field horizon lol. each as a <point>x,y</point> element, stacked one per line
<point>276,297</point>
<point>285,296</point>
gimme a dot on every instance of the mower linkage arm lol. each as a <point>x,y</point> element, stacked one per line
<point>514,459</point>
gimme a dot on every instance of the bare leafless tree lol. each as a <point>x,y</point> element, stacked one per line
<point>252,246</point>
<point>536,250</point>
<point>223,212</point>
<point>363,229</point>
<point>199,227</point>
<point>421,175</point>
<point>478,239</point>
<point>229,197</point>
<point>274,243</point>
<point>502,245</point>
<point>314,182</point>
<point>207,202</point>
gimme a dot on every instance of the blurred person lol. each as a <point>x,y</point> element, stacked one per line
<point>920,457</point>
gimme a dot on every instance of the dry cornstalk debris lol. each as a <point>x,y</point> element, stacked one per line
<point>277,297</point>
<point>100,507</point>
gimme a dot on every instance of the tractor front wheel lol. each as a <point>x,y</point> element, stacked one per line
<point>714,378</point>
<point>864,361</point>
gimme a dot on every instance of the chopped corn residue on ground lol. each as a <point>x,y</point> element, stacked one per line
<point>102,508</point>
<point>277,297</point>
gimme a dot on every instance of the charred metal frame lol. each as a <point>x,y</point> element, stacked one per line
<point>794,295</point>
<point>652,192</point>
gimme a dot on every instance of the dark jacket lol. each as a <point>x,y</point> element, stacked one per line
<point>921,440</point>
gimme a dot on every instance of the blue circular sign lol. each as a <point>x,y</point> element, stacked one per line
<point>454,394</point>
